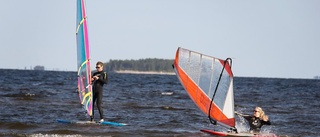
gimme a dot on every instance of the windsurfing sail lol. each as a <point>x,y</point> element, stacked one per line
<point>83,59</point>
<point>209,83</point>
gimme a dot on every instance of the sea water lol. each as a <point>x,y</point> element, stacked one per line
<point>152,105</point>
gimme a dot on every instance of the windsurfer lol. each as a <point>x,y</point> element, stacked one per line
<point>257,120</point>
<point>99,78</point>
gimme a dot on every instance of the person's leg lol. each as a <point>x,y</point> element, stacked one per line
<point>93,102</point>
<point>99,104</point>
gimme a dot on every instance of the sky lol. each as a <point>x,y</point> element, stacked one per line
<point>265,38</point>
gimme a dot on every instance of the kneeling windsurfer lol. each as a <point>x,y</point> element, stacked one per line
<point>257,120</point>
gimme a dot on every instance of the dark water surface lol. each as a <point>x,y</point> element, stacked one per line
<point>152,105</point>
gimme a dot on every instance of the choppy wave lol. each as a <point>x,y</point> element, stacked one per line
<point>152,105</point>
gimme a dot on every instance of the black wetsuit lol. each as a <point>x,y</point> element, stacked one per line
<point>255,123</point>
<point>98,90</point>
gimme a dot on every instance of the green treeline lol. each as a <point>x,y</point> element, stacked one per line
<point>149,64</point>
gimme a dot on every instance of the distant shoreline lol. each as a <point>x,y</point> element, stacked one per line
<point>143,72</point>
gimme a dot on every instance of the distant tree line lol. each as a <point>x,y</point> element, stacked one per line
<point>149,64</point>
<point>38,67</point>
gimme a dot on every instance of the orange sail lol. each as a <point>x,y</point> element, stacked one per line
<point>209,83</point>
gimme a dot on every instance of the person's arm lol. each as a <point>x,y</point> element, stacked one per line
<point>266,121</point>
<point>247,117</point>
<point>103,78</point>
<point>95,77</point>
<point>239,114</point>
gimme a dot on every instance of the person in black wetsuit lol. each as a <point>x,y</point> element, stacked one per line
<point>99,78</point>
<point>257,120</point>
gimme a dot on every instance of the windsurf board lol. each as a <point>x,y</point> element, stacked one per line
<point>91,122</point>
<point>238,134</point>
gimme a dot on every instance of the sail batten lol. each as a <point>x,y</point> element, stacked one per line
<point>200,74</point>
<point>83,59</point>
